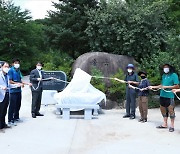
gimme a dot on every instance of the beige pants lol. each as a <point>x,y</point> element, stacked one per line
<point>143,106</point>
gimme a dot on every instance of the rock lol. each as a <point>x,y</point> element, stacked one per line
<point>107,63</point>
<point>108,105</point>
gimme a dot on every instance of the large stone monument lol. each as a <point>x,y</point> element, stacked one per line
<point>107,63</point>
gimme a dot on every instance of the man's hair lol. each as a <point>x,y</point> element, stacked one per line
<point>3,63</point>
<point>171,68</point>
<point>39,62</point>
<point>15,59</point>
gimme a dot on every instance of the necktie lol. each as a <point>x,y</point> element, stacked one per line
<point>6,78</point>
<point>40,74</point>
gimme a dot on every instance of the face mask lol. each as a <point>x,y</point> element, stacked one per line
<point>166,70</point>
<point>143,77</point>
<point>129,70</point>
<point>16,65</point>
<point>39,67</point>
<point>6,70</point>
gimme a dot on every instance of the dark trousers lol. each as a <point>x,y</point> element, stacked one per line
<point>130,102</point>
<point>36,101</point>
<point>3,110</point>
<point>14,106</point>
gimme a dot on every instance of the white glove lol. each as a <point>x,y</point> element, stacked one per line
<point>39,79</point>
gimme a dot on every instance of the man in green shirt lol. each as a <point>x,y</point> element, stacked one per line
<point>169,81</point>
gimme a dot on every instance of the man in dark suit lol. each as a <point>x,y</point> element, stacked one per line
<point>36,77</point>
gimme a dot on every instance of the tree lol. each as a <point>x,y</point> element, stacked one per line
<point>66,26</point>
<point>174,15</point>
<point>136,29</point>
<point>19,36</point>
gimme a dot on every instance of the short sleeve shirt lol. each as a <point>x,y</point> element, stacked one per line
<point>132,77</point>
<point>143,84</point>
<point>169,80</point>
<point>15,75</point>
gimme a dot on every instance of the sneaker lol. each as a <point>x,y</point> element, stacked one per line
<point>171,129</point>
<point>12,123</point>
<point>7,126</point>
<point>18,120</point>
<point>140,120</point>
<point>126,116</point>
<point>144,120</point>
<point>132,117</point>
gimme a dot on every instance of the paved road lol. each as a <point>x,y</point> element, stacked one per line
<point>109,134</point>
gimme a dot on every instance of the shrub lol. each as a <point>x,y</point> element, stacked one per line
<point>97,82</point>
<point>58,61</point>
<point>153,65</point>
<point>115,91</point>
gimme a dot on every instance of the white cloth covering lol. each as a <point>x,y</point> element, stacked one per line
<point>80,91</point>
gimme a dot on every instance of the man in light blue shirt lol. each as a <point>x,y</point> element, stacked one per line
<point>4,95</point>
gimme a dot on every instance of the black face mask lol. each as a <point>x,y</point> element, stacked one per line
<point>143,77</point>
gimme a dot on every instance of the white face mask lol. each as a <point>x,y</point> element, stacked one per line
<point>16,65</point>
<point>166,70</point>
<point>6,70</point>
<point>129,70</point>
<point>39,67</point>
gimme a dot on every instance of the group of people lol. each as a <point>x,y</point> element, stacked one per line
<point>169,85</point>
<point>11,84</point>
<point>10,92</point>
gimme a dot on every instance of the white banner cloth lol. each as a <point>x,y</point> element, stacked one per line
<point>80,91</point>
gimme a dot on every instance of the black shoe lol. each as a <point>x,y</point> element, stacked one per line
<point>34,115</point>
<point>126,116</point>
<point>39,114</point>
<point>140,120</point>
<point>132,117</point>
<point>144,120</point>
<point>171,129</point>
<point>7,126</point>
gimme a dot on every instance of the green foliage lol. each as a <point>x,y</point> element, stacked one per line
<point>117,90</point>
<point>97,82</point>
<point>66,25</point>
<point>153,65</point>
<point>152,102</point>
<point>19,37</point>
<point>174,15</point>
<point>174,45</point>
<point>128,28</point>
<point>58,61</point>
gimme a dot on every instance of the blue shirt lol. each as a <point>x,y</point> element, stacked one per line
<point>15,75</point>
<point>143,84</point>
